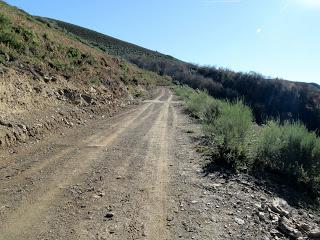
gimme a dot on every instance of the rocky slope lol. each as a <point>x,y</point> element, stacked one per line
<point>49,79</point>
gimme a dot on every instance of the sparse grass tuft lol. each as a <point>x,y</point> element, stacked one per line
<point>95,81</point>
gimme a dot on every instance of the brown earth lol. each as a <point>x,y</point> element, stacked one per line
<point>31,109</point>
<point>135,175</point>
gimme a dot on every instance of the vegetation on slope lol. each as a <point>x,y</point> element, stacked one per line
<point>40,46</point>
<point>268,98</point>
<point>49,78</point>
<point>287,149</point>
<point>273,98</point>
<point>106,43</point>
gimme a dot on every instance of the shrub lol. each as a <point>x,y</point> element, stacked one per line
<point>45,36</point>
<point>224,123</point>
<point>60,65</point>
<point>95,80</point>
<point>197,104</point>
<point>11,39</point>
<point>16,36</point>
<point>124,66</point>
<point>74,53</point>
<point>183,92</point>
<point>4,21</point>
<point>2,58</point>
<point>28,35</point>
<point>228,125</point>
<point>287,149</point>
<point>290,149</point>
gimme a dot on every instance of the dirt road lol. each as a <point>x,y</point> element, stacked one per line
<point>135,175</point>
<point>109,180</point>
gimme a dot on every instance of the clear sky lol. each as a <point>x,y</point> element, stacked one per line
<point>279,38</point>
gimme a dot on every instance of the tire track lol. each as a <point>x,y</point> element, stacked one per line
<point>29,213</point>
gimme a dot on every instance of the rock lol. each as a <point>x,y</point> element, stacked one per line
<point>274,217</point>
<point>88,99</point>
<point>109,215</point>
<point>239,221</point>
<point>101,193</point>
<point>169,218</point>
<point>6,124</point>
<point>303,227</point>
<point>286,228</point>
<point>279,202</point>
<point>275,233</point>
<point>229,213</point>
<point>47,78</point>
<point>261,216</point>
<point>257,205</point>
<point>54,79</point>
<point>279,206</point>
<point>263,207</point>
<point>314,234</point>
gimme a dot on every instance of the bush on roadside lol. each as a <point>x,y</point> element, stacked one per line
<point>292,150</point>
<point>183,92</point>
<point>287,149</point>
<point>225,123</point>
<point>228,125</point>
<point>198,103</point>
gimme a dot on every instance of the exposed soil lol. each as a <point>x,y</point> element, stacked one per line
<point>135,175</point>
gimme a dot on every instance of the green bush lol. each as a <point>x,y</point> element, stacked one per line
<point>124,66</point>
<point>4,21</point>
<point>61,65</point>
<point>290,149</point>
<point>2,58</point>
<point>28,35</point>
<point>224,123</point>
<point>16,37</point>
<point>197,104</point>
<point>183,92</point>
<point>227,124</point>
<point>9,38</point>
<point>95,80</point>
<point>74,53</point>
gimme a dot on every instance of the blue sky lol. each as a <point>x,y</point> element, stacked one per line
<point>279,38</point>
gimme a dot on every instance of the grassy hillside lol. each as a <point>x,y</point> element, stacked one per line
<point>49,78</point>
<point>106,43</point>
<point>269,98</point>
<point>24,38</point>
